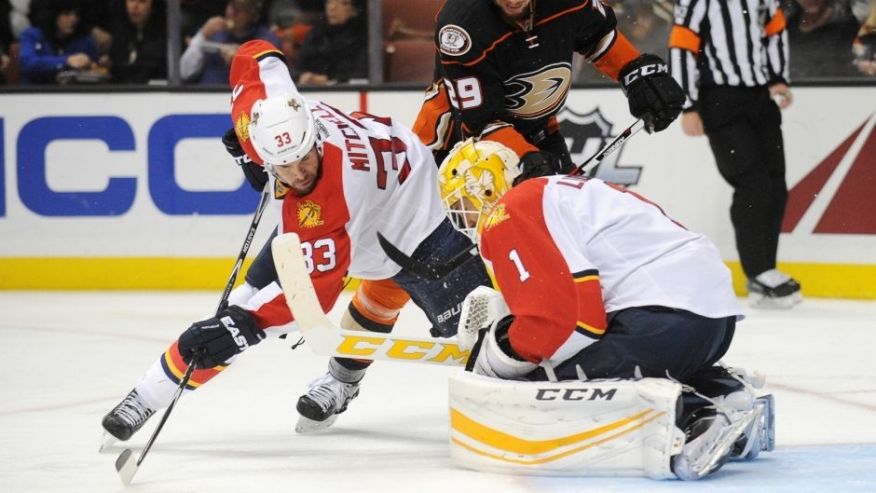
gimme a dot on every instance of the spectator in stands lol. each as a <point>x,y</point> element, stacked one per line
<point>6,39</point>
<point>19,17</point>
<point>336,49</point>
<point>819,35</point>
<point>207,59</point>
<point>194,13</point>
<point>97,19</point>
<point>864,47</point>
<point>56,41</point>
<point>139,50</point>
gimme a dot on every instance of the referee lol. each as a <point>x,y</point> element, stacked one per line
<point>731,58</point>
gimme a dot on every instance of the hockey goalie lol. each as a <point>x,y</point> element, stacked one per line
<point>599,354</point>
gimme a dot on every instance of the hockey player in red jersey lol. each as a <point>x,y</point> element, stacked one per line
<point>504,69</point>
<point>337,179</point>
<point>596,282</point>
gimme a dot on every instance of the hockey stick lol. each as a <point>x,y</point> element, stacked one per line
<point>126,466</point>
<point>430,272</point>
<point>420,269</point>
<point>610,148</point>
<point>327,339</point>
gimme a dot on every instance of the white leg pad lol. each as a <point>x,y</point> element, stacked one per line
<point>592,428</point>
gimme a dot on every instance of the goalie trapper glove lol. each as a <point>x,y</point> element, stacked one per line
<point>539,163</point>
<point>214,341</point>
<point>653,95</point>
<point>255,174</point>
<point>495,356</point>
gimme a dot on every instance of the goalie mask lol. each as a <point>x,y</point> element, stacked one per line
<point>282,129</point>
<point>472,178</point>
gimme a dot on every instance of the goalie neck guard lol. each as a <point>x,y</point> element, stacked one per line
<point>472,178</point>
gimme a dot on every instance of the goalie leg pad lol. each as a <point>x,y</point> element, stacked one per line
<point>573,428</point>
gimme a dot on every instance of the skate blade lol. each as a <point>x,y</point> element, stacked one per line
<point>307,425</point>
<point>107,441</point>
<point>774,303</point>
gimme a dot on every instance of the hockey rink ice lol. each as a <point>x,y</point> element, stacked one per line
<point>67,358</point>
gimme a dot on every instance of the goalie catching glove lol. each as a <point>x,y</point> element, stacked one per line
<point>653,95</point>
<point>255,174</point>
<point>214,341</point>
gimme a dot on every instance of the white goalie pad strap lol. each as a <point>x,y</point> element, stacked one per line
<point>480,309</point>
<point>593,428</point>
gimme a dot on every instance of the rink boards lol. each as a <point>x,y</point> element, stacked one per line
<point>135,191</point>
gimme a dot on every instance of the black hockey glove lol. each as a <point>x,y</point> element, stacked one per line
<point>255,174</point>
<point>653,95</point>
<point>213,341</point>
<point>538,163</point>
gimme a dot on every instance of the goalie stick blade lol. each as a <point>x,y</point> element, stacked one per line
<point>126,466</point>
<point>327,339</point>
<point>420,269</point>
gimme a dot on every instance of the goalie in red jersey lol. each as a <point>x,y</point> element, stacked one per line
<point>596,282</point>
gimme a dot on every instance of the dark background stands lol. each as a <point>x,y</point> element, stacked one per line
<point>336,49</point>
<point>139,47</point>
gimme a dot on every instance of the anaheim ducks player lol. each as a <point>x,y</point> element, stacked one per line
<point>337,179</point>
<point>599,283</point>
<point>504,69</point>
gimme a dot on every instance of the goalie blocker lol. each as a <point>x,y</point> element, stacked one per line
<point>593,428</point>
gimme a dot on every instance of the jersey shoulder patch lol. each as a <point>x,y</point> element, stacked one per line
<point>453,40</point>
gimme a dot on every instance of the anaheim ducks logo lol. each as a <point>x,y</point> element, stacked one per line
<point>241,126</point>
<point>309,214</point>
<point>497,216</point>
<point>539,93</point>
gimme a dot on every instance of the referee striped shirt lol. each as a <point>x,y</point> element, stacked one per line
<point>728,43</point>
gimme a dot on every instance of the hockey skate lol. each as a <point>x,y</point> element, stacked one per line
<point>326,398</point>
<point>125,419</point>
<point>709,439</point>
<point>773,289</point>
<point>760,436</point>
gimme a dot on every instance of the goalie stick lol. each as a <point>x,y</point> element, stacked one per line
<point>436,272</point>
<point>326,338</point>
<point>126,466</point>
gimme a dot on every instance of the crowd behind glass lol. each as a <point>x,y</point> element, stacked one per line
<point>327,41</point>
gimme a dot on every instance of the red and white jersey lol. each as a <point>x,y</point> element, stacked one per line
<point>566,250</point>
<point>375,176</point>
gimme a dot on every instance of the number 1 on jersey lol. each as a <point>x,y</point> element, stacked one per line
<point>521,270</point>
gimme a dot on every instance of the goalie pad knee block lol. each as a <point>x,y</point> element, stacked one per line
<point>571,428</point>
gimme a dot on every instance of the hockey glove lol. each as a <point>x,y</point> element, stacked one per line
<point>496,358</point>
<point>214,341</point>
<point>538,163</point>
<point>653,95</point>
<point>255,174</point>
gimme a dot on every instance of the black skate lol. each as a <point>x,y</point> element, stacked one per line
<point>326,397</point>
<point>125,419</point>
<point>773,289</point>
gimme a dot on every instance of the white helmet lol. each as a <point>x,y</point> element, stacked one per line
<point>282,129</point>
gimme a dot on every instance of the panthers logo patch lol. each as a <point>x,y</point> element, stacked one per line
<point>241,126</point>
<point>453,40</point>
<point>497,216</point>
<point>309,214</point>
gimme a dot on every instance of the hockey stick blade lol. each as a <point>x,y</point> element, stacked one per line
<point>126,466</point>
<point>327,339</point>
<point>609,149</point>
<point>420,269</point>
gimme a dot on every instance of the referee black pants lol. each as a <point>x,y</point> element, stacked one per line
<point>744,129</point>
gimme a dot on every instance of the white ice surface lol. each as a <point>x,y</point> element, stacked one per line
<point>67,358</point>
